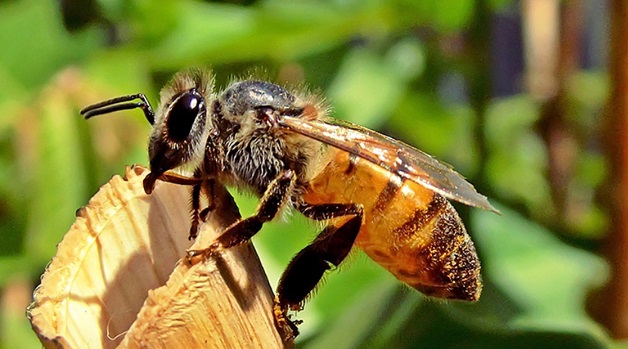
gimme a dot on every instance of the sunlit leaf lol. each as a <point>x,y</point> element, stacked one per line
<point>14,326</point>
<point>58,188</point>
<point>518,157</point>
<point>446,15</point>
<point>365,90</point>
<point>545,278</point>
<point>38,45</point>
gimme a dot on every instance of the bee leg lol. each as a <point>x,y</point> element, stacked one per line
<point>196,206</point>
<point>284,323</point>
<point>327,211</point>
<point>328,250</point>
<point>272,201</point>
<point>195,202</point>
<point>174,178</point>
<point>210,192</point>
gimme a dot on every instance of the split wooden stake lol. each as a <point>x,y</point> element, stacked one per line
<point>120,278</point>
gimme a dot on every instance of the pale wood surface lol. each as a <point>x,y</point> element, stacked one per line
<point>122,260</point>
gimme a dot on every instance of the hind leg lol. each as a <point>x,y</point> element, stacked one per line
<point>307,268</point>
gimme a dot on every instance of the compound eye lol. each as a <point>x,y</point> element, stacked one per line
<point>183,112</point>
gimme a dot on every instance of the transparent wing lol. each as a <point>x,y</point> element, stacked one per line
<point>391,154</point>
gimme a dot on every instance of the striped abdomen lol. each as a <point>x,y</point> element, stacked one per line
<point>408,229</point>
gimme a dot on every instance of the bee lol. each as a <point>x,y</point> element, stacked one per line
<point>370,190</point>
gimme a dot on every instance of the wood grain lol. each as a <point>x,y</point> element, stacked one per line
<point>119,278</point>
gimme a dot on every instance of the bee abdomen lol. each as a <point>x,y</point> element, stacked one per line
<point>432,253</point>
<point>409,230</point>
<point>452,267</point>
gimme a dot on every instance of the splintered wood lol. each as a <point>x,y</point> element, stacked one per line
<point>120,277</point>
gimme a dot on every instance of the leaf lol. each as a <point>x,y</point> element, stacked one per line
<point>443,131</point>
<point>357,321</point>
<point>517,160</point>
<point>59,188</point>
<point>545,278</point>
<point>38,45</point>
<point>14,326</point>
<point>365,90</point>
<point>445,15</point>
<point>222,33</point>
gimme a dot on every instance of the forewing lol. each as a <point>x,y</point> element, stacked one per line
<point>392,155</point>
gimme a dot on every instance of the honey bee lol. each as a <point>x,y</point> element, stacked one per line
<point>371,191</point>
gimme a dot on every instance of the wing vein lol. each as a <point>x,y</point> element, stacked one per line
<point>392,155</point>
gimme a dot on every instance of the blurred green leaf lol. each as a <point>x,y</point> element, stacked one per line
<point>357,321</point>
<point>13,267</point>
<point>545,278</point>
<point>589,88</point>
<point>12,96</point>
<point>367,86</point>
<point>277,30</point>
<point>406,58</point>
<point>364,89</point>
<point>120,71</point>
<point>445,15</point>
<point>518,159</point>
<point>60,184</point>
<point>591,169</point>
<point>38,45</point>
<point>152,20</point>
<point>14,326</point>
<point>422,120</point>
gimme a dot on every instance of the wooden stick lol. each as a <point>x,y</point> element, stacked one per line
<point>125,244</point>
<point>610,305</point>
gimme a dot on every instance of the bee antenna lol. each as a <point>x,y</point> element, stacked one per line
<point>121,103</point>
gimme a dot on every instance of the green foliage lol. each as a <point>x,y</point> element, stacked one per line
<point>372,63</point>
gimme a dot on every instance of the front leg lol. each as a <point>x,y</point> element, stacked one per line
<point>198,184</point>
<point>195,201</point>
<point>274,198</point>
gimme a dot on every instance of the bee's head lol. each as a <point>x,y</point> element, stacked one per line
<point>181,125</point>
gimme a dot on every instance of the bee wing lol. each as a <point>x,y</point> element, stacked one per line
<point>393,155</point>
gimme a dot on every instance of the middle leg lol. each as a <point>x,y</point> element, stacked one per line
<point>195,199</point>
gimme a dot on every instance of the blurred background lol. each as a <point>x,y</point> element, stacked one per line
<point>527,99</point>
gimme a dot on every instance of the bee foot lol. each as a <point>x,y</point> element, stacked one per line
<point>195,256</point>
<point>287,327</point>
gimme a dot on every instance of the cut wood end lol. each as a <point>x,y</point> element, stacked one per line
<point>118,280</point>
